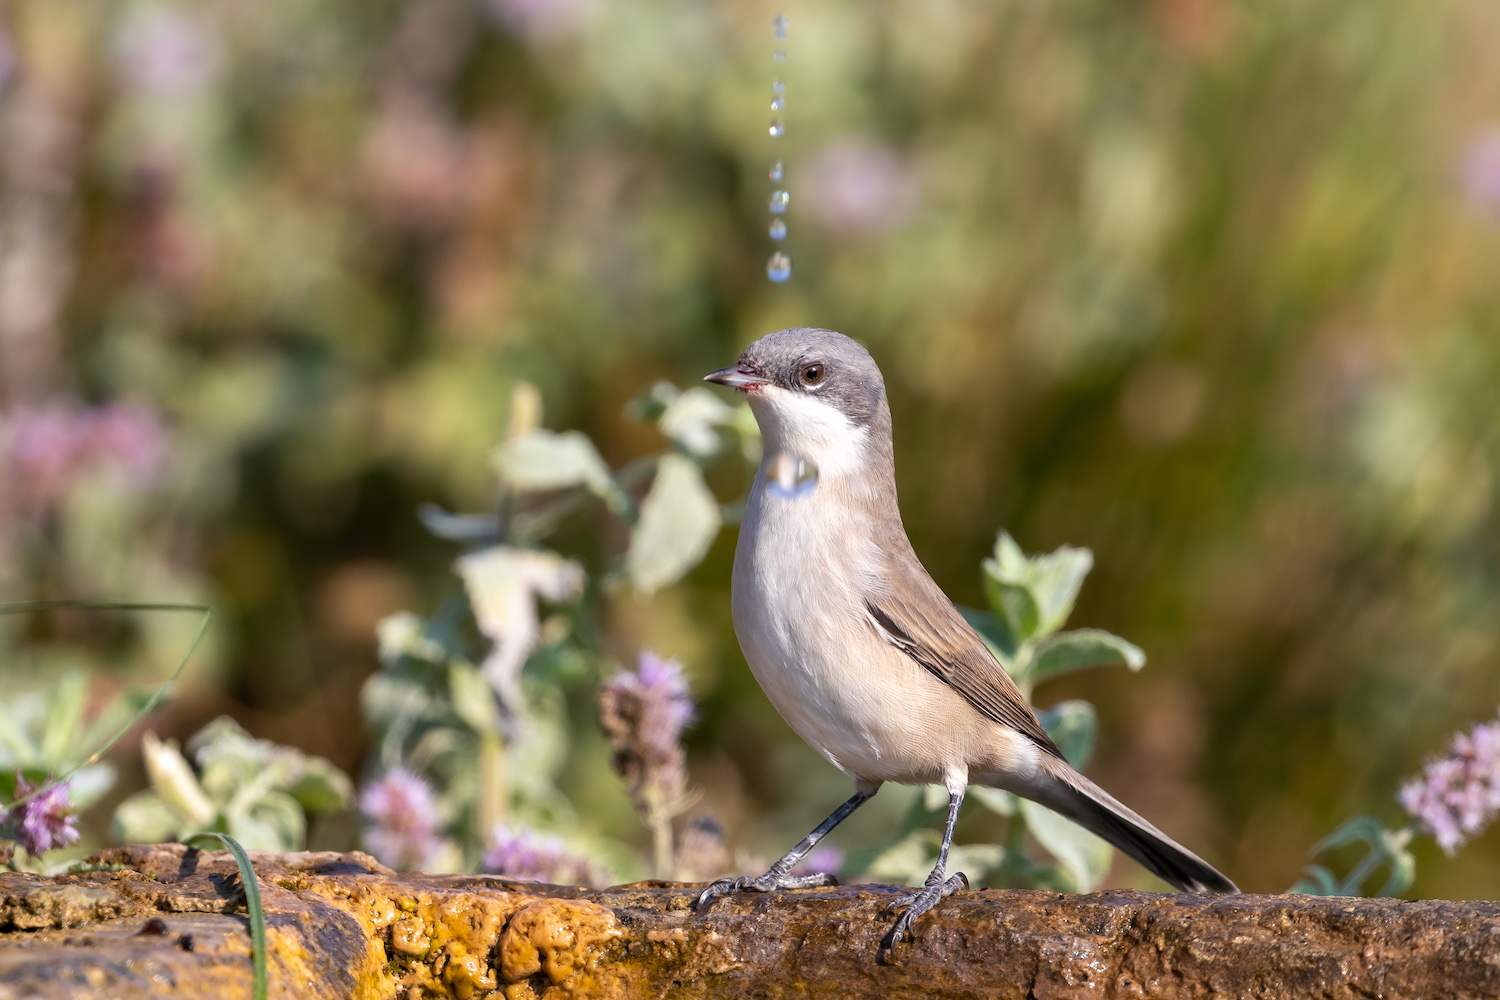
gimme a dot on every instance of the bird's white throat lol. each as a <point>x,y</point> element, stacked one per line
<point>803,427</point>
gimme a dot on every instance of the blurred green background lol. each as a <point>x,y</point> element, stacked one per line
<point>1209,287</point>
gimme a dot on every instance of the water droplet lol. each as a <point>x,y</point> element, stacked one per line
<point>777,128</point>
<point>778,86</point>
<point>777,103</point>
<point>776,172</point>
<point>779,267</point>
<point>780,25</point>
<point>779,201</point>
<point>778,229</point>
<point>780,55</point>
<point>792,477</point>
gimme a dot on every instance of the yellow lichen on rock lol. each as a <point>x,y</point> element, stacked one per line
<point>557,936</point>
<point>409,937</point>
<point>466,973</point>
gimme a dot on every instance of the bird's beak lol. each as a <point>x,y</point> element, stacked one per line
<point>736,378</point>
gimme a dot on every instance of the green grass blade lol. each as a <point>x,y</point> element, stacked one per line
<point>252,904</point>
<point>156,696</point>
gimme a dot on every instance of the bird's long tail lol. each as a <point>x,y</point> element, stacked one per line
<point>1064,790</point>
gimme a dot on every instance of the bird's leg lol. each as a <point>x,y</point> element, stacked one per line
<point>777,877</point>
<point>937,887</point>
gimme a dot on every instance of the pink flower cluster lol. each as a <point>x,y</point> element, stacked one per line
<point>44,822</point>
<point>534,857</point>
<point>46,449</point>
<point>1459,795</point>
<point>1479,170</point>
<point>656,701</point>
<point>403,814</point>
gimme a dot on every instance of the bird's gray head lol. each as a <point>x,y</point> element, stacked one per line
<point>815,393</point>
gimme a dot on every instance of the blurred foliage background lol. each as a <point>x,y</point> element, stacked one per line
<point>1209,287</point>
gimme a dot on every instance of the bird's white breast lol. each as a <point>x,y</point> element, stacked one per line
<point>803,567</point>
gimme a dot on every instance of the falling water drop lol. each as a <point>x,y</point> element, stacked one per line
<point>779,201</point>
<point>792,477</point>
<point>780,55</point>
<point>778,102</point>
<point>780,25</point>
<point>778,86</point>
<point>778,229</point>
<point>776,171</point>
<point>779,267</point>
<point>777,128</point>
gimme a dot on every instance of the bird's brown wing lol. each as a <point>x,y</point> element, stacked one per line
<point>930,630</point>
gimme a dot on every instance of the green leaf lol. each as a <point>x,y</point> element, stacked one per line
<point>679,521</point>
<point>692,420</point>
<point>1010,562</point>
<point>1389,847</point>
<point>1056,579</point>
<point>1079,649</point>
<point>1083,857</point>
<point>323,788</point>
<point>975,860</point>
<point>473,698</point>
<point>1007,585</point>
<point>1014,604</point>
<point>909,859</point>
<point>90,785</point>
<point>64,719</point>
<point>995,633</point>
<point>17,743</point>
<point>274,822</point>
<point>1316,881</point>
<point>145,818</point>
<point>547,460</point>
<point>996,801</point>
<point>1034,595</point>
<point>1073,726</point>
<point>123,709</point>
<point>253,906</point>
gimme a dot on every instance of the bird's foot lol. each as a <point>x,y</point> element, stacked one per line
<point>769,882</point>
<point>917,903</point>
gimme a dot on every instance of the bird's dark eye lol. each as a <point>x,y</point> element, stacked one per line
<point>811,374</point>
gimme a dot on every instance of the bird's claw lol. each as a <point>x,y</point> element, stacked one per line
<point>769,882</point>
<point>917,903</point>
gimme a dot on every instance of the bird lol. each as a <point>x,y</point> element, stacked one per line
<point>859,649</point>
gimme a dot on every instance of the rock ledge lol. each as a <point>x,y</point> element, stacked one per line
<point>169,920</point>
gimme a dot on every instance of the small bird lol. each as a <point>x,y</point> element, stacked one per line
<point>858,648</point>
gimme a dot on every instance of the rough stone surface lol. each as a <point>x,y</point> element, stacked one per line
<point>169,921</point>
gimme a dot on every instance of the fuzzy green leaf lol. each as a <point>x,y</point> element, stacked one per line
<point>547,460</point>
<point>1080,649</point>
<point>1073,726</point>
<point>679,521</point>
<point>1083,857</point>
<point>995,633</point>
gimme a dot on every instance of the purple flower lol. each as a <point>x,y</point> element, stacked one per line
<point>129,438</point>
<point>1479,169</point>
<point>525,854</point>
<point>48,448</point>
<point>820,859</point>
<point>42,823</point>
<point>165,52</point>
<point>859,187</point>
<point>45,447</point>
<point>1459,795</point>
<point>643,714</point>
<point>659,693</point>
<point>403,814</point>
